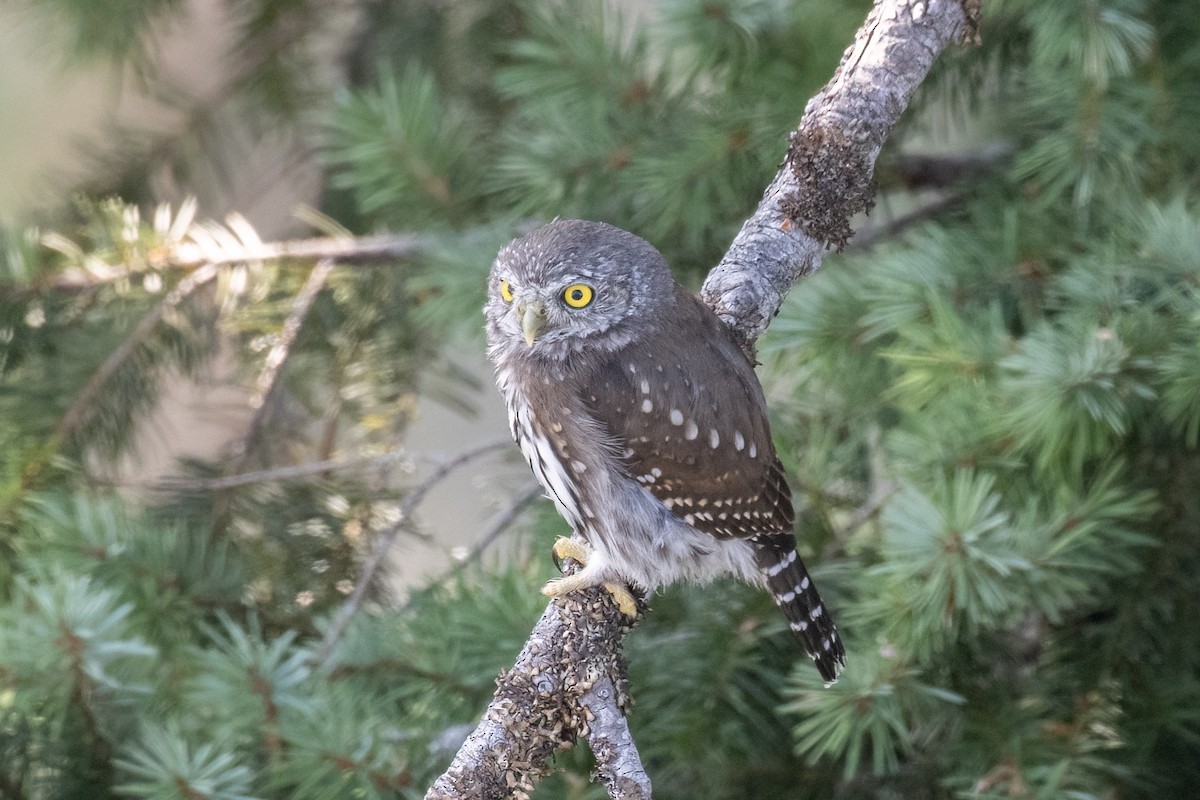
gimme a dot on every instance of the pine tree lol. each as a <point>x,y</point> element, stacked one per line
<point>988,406</point>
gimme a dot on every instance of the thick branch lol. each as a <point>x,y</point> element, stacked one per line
<point>568,681</point>
<point>827,177</point>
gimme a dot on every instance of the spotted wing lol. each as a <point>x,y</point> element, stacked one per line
<point>690,421</point>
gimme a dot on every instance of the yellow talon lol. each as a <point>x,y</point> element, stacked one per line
<point>623,598</point>
<point>570,548</point>
<point>579,551</point>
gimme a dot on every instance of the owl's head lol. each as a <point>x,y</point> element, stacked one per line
<point>572,286</point>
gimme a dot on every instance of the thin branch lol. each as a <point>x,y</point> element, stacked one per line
<point>945,170</point>
<point>916,171</point>
<point>826,178</point>
<point>267,386</point>
<point>861,516</point>
<point>191,254</point>
<point>398,666</point>
<point>294,472</point>
<point>869,237</point>
<point>501,521</point>
<point>81,410</point>
<point>383,543</point>
<point>498,524</point>
<point>343,250</point>
<point>85,403</point>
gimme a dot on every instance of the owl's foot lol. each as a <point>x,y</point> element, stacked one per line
<point>564,586</point>
<point>570,548</point>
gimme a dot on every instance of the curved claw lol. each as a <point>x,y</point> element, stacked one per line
<point>569,548</point>
<point>579,551</point>
<point>623,598</point>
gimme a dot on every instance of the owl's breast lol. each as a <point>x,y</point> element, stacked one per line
<point>581,461</point>
<point>546,422</point>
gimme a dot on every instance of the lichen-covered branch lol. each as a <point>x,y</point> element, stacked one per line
<point>827,177</point>
<point>568,681</point>
<point>828,174</point>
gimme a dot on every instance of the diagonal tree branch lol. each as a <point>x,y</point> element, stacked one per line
<point>828,174</point>
<point>501,521</point>
<point>384,542</point>
<point>547,700</point>
<point>267,388</point>
<point>193,255</point>
<point>79,414</point>
<point>568,681</point>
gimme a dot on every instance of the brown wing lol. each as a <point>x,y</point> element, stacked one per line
<point>689,417</point>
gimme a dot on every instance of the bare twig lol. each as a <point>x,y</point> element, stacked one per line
<point>863,514</point>
<point>499,523</point>
<point>195,253</point>
<point>267,387</point>
<point>945,170</point>
<point>826,178</point>
<point>383,543</point>
<point>867,238</point>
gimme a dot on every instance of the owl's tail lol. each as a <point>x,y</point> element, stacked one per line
<point>794,593</point>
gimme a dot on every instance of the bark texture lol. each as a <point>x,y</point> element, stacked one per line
<point>569,681</point>
<point>829,172</point>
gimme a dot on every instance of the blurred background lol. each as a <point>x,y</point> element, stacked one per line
<point>261,534</point>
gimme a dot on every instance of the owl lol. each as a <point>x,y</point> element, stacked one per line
<point>645,423</point>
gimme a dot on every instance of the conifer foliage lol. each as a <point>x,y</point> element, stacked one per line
<point>989,407</point>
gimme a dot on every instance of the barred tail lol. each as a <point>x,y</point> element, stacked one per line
<point>795,594</point>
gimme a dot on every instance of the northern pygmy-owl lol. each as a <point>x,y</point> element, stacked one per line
<point>645,423</point>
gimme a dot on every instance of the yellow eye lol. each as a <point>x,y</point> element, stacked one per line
<point>577,295</point>
<point>506,291</point>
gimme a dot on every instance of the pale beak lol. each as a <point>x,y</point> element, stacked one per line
<point>533,320</point>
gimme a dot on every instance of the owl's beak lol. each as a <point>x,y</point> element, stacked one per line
<point>533,320</point>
